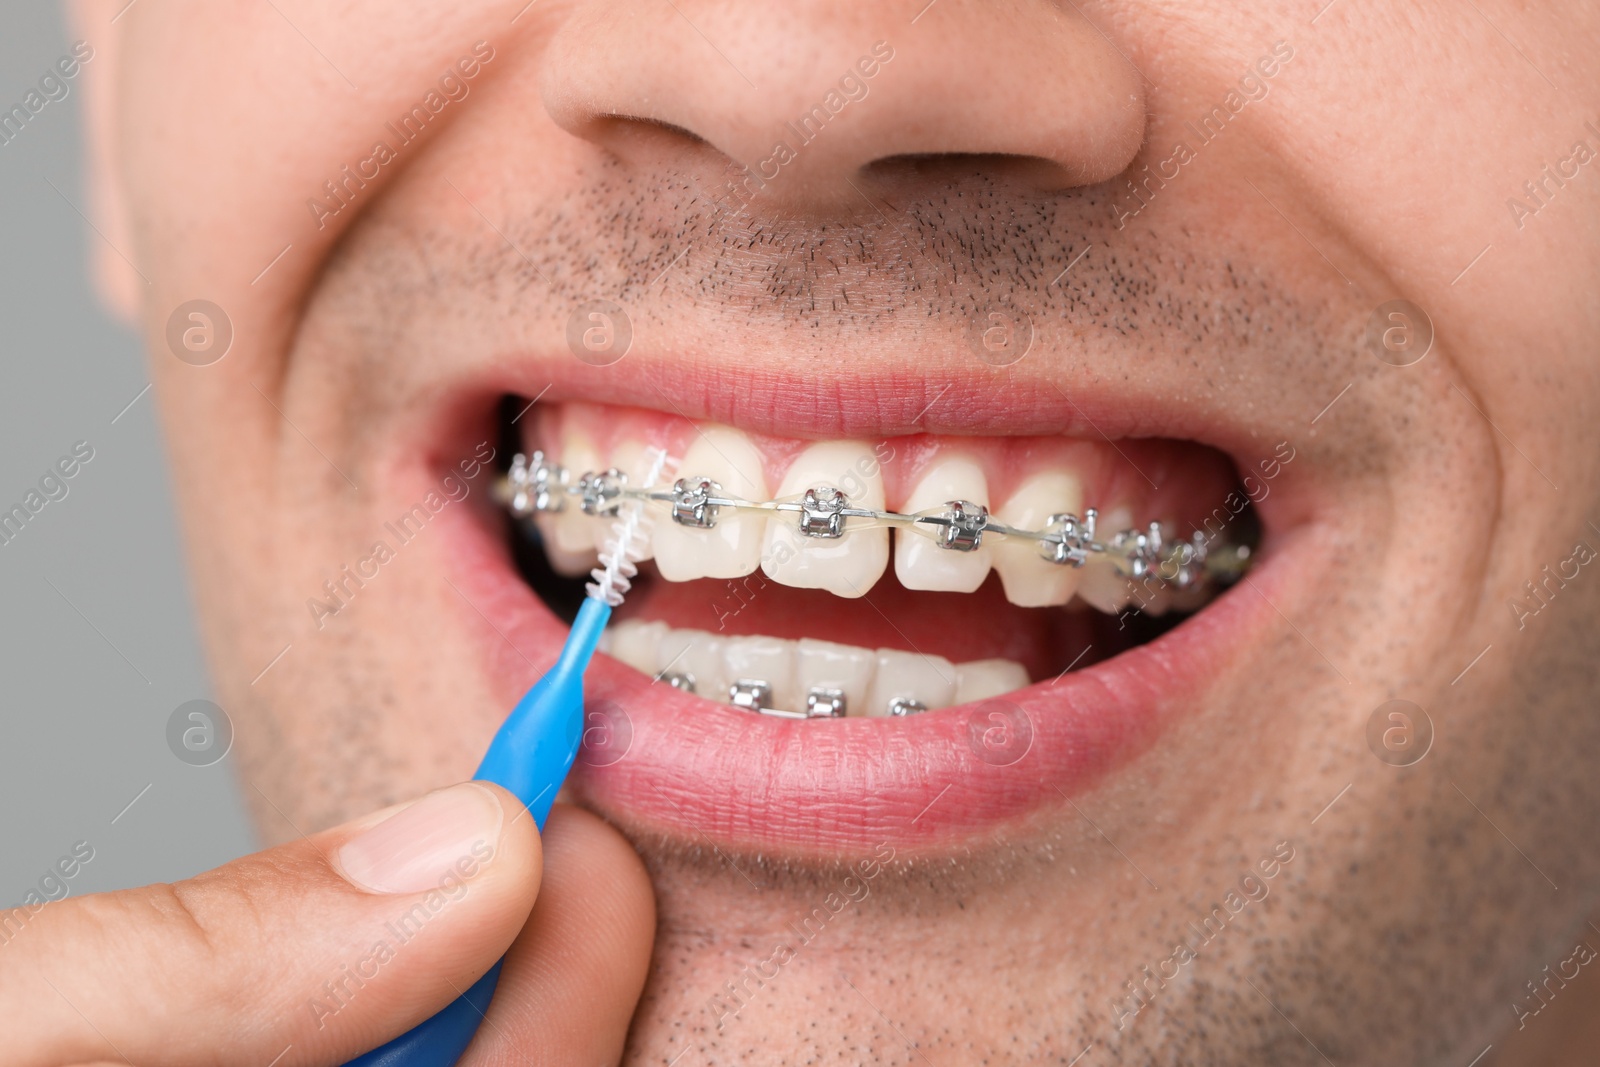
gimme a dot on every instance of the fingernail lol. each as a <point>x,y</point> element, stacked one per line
<point>435,842</point>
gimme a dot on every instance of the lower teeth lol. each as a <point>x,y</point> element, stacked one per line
<point>806,679</point>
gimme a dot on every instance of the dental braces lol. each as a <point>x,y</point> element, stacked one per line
<point>535,485</point>
<point>755,694</point>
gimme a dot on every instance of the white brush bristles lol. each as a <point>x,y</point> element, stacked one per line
<point>630,536</point>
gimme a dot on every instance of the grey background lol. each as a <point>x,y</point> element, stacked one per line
<point>91,668</point>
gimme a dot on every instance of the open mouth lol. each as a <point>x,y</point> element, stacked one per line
<point>867,578</point>
<point>832,643</point>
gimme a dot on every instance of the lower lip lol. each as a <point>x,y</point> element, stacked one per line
<point>662,761</point>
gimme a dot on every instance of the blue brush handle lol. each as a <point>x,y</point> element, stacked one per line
<point>530,756</point>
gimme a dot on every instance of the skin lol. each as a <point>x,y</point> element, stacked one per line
<point>1378,163</point>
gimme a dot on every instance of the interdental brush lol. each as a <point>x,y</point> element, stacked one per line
<point>531,756</point>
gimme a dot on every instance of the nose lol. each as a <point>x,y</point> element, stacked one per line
<point>808,95</point>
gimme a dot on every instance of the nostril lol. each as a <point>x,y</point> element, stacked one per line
<point>947,168</point>
<point>617,126</point>
<point>655,125</point>
<point>1047,103</point>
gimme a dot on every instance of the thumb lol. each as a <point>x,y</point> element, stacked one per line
<point>308,953</point>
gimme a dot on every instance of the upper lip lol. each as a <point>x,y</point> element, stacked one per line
<point>953,393</point>
<point>747,783</point>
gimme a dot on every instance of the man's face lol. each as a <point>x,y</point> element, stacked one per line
<point>823,234</point>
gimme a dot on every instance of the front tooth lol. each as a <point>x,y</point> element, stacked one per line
<point>825,665</point>
<point>1103,587</point>
<point>731,548</point>
<point>981,679</point>
<point>919,562</point>
<point>569,534</point>
<point>845,566</point>
<point>1030,580</point>
<point>636,643</point>
<point>634,459</point>
<point>929,680</point>
<point>696,653</point>
<point>767,659</point>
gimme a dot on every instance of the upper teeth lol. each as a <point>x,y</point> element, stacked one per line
<point>838,541</point>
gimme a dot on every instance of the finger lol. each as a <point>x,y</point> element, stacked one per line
<point>574,976</point>
<point>305,954</point>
